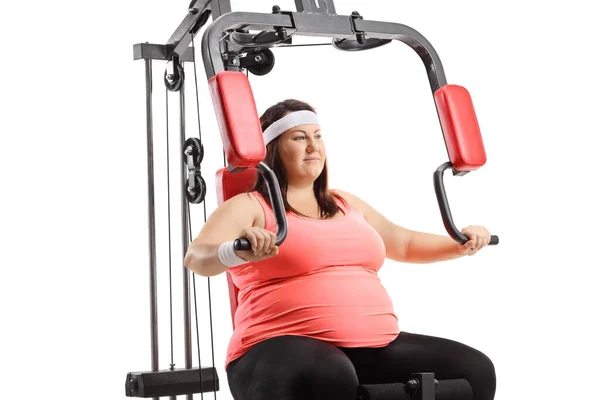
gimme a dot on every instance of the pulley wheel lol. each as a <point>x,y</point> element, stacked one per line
<point>174,81</point>
<point>197,150</point>
<point>196,195</point>
<point>263,62</point>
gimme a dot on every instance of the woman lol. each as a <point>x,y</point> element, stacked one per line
<point>313,319</point>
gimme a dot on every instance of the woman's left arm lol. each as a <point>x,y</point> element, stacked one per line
<point>405,245</point>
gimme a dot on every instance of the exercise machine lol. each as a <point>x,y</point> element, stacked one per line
<point>236,43</point>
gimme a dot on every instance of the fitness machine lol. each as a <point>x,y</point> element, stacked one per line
<point>238,42</point>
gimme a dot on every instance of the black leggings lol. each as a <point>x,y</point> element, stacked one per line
<point>297,367</point>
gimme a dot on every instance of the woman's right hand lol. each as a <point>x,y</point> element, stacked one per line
<point>262,242</point>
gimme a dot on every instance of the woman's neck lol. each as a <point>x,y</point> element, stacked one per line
<point>300,192</point>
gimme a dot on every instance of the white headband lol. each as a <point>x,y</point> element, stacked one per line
<point>289,121</point>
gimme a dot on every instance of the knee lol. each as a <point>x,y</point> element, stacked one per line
<point>486,369</point>
<point>483,377</point>
<point>330,377</point>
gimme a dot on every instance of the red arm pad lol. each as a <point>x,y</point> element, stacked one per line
<point>238,119</point>
<point>460,127</point>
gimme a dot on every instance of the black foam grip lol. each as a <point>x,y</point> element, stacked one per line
<point>450,389</point>
<point>385,391</point>
<point>171,382</point>
<point>494,240</point>
<point>453,389</point>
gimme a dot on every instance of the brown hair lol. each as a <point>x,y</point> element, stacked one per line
<point>327,205</point>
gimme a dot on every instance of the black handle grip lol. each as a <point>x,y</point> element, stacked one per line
<point>440,192</point>
<point>242,244</point>
<point>278,208</point>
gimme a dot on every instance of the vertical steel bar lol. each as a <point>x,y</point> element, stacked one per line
<point>151,221</point>
<point>184,236</point>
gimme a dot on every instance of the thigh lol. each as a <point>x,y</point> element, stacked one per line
<point>293,367</point>
<point>410,353</point>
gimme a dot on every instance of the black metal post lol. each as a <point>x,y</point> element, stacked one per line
<point>151,221</point>
<point>185,233</point>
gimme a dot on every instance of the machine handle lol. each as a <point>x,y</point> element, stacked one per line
<point>440,192</point>
<point>278,208</point>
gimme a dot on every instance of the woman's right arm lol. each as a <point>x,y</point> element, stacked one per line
<point>233,219</point>
<point>225,224</point>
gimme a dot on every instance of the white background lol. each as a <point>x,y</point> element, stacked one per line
<point>74,210</point>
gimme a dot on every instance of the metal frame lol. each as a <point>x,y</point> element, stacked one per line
<point>229,38</point>
<point>307,21</point>
<point>323,25</point>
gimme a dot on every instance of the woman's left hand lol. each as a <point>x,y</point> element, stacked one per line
<point>479,237</point>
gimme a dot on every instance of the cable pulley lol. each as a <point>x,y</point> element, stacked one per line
<point>193,152</point>
<point>258,62</point>
<point>195,189</point>
<point>174,75</point>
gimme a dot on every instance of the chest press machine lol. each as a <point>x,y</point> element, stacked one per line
<point>241,41</point>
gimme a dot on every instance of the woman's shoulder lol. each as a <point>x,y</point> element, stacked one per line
<point>350,199</point>
<point>370,214</point>
<point>243,199</point>
<point>248,203</point>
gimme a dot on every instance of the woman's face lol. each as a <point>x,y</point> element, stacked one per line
<point>302,152</point>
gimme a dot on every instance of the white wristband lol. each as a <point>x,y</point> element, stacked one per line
<point>228,256</point>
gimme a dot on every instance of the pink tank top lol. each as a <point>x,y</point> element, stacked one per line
<point>323,284</point>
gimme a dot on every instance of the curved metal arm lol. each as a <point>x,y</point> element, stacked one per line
<point>337,27</point>
<point>278,208</point>
<point>412,38</point>
<point>440,192</point>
